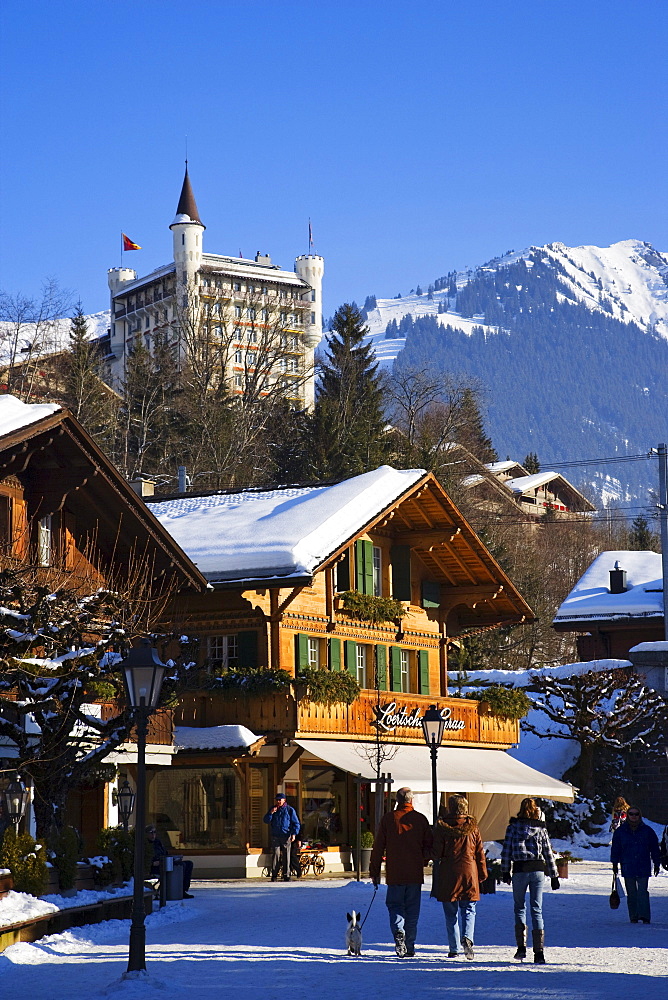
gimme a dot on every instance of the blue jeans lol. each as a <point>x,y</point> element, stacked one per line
<point>637,897</point>
<point>403,903</point>
<point>460,908</point>
<point>533,881</point>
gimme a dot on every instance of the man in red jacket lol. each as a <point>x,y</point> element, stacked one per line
<point>404,838</point>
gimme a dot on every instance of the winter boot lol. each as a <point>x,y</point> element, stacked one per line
<point>538,941</point>
<point>520,941</point>
<point>400,944</point>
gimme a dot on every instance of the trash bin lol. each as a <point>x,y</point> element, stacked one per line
<point>173,879</point>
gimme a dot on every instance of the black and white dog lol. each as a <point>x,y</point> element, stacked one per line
<point>354,934</point>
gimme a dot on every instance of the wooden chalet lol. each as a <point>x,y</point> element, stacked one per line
<point>615,605</point>
<point>292,573</point>
<point>65,509</point>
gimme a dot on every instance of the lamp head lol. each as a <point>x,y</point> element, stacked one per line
<point>433,726</point>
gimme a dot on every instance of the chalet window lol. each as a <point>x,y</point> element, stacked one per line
<point>236,286</point>
<point>377,571</point>
<point>342,575</point>
<point>252,336</point>
<point>44,541</point>
<point>431,594</point>
<point>405,677</point>
<point>223,652</point>
<point>238,383</point>
<point>238,357</point>
<point>313,652</point>
<point>237,311</point>
<point>361,673</point>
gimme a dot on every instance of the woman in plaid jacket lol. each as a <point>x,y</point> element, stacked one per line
<point>527,848</point>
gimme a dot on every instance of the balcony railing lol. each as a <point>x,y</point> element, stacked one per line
<point>281,713</point>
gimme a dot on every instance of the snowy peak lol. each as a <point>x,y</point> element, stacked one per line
<point>627,280</point>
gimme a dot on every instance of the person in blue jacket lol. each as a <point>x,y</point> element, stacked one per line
<point>284,826</point>
<point>635,847</point>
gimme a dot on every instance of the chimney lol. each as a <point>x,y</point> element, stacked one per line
<point>262,258</point>
<point>143,487</point>
<point>617,580</point>
<point>183,479</point>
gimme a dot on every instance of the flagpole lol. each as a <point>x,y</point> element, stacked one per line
<point>121,249</point>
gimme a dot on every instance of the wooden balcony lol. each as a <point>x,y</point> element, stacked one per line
<point>282,714</point>
<point>160,724</point>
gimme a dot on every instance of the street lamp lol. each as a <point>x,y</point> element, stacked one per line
<point>433,725</point>
<point>16,800</point>
<point>144,672</point>
<point>125,798</point>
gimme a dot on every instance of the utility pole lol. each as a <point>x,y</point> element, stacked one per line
<point>662,452</point>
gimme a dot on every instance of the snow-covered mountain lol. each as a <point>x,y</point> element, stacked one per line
<point>627,280</point>
<point>570,345</point>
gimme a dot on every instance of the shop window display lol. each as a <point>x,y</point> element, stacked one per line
<point>323,805</point>
<point>196,808</point>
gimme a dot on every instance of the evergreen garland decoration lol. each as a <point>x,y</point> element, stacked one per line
<point>327,687</point>
<point>368,608</point>
<point>252,681</point>
<point>509,703</point>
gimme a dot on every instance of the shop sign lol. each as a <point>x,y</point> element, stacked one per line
<point>388,718</point>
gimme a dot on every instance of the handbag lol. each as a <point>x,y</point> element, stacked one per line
<point>614,895</point>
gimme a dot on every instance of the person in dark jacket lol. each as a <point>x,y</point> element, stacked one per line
<point>404,838</point>
<point>527,848</point>
<point>159,851</point>
<point>635,847</point>
<point>460,866</point>
<point>284,826</point>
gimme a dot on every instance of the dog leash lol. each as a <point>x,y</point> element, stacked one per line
<point>375,890</point>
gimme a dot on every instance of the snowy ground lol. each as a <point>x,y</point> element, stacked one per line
<point>257,941</point>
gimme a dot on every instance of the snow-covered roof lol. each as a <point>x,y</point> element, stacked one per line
<point>280,533</point>
<point>523,483</point>
<point>502,466</point>
<point>213,738</point>
<point>14,414</point>
<point>590,598</point>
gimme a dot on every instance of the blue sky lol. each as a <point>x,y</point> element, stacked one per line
<point>418,137</point>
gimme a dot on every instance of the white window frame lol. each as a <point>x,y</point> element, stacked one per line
<point>377,571</point>
<point>313,652</point>
<point>361,665</point>
<point>405,670</point>
<point>44,534</point>
<point>224,649</point>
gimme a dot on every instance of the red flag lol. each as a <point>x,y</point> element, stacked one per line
<point>128,244</point>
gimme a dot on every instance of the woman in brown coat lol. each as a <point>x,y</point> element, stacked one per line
<point>460,860</point>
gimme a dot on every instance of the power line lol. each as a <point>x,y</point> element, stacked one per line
<point>548,466</point>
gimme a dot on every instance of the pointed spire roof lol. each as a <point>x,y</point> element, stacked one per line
<point>186,210</point>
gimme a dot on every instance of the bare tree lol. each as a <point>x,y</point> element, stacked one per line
<point>31,328</point>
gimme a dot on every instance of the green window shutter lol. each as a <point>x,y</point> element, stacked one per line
<point>431,594</point>
<point>367,550</point>
<point>247,644</point>
<point>350,653</point>
<point>334,654</point>
<point>381,666</point>
<point>301,650</point>
<point>343,574</point>
<point>400,557</point>
<point>395,668</point>
<point>423,671</point>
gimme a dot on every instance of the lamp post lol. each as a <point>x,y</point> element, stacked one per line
<point>16,800</point>
<point>125,798</point>
<point>433,725</point>
<point>143,672</point>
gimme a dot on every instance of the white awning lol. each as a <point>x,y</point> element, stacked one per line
<point>460,769</point>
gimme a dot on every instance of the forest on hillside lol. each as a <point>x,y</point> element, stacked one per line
<point>559,379</point>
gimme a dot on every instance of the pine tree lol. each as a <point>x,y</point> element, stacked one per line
<point>347,429</point>
<point>641,537</point>
<point>471,430</point>
<point>85,393</point>
<point>531,463</point>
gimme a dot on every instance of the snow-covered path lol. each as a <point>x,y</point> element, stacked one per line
<point>253,941</point>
